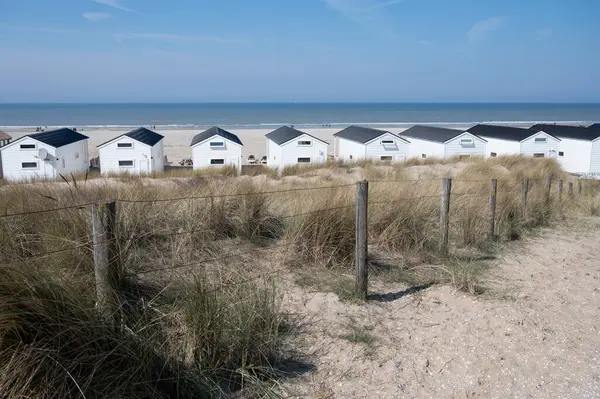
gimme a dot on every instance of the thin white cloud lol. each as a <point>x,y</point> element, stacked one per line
<point>371,14</point>
<point>96,16</point>
<point>120,37</point>
<point>115,4</point>
<point>543,33</point>
<point>482,29</point>
<point>359,10</point>
<point>424,42</point>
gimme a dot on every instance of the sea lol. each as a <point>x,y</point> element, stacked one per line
<point>266,115</point>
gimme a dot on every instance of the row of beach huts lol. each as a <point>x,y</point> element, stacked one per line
<point>64,151</point>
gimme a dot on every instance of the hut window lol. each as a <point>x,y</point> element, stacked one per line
<point>493,154</point>
<point>305,143</point>
<point>386,158</point>
<point>124,145</point>
<point>303,160</point>
<point>128,163</point>
<point>388,142</point>
<point>350,156</point>
<point>561,154</point>
<point>541,140</point>
<point>467,142</point>
<point>423,155</point>
<point>217,144</point>
<point>29,165</point>
<point>538,155</point>
<point>76,155</point>
<point>217,162</point>
<point>28,146</point>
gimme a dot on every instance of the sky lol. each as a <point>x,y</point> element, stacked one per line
<point>299,50</point>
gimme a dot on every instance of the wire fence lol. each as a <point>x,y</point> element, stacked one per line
<point>105,241</point>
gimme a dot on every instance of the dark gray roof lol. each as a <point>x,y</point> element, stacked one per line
<point>595,126</point>
<point>59,137</point>
<point>362,134</point>
<point>432,133</point>
<point>145,136</point>
<point>4,136</point>
<point>286,133</point>
<point>568,132</point>
<point>215,131</point>
<point>503,132</point>
<point>141,134</point>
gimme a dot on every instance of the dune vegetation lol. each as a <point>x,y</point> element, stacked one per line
<point>203,254</point>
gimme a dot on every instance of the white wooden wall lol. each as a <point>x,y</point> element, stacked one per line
<point>291,151</point>
<point>502,147</point>
<point>139,153</point>
<point>577,155</point>
<point>419,147</point>
<point>350,150</point>
<point>72,158</point>
<point>455,148</point>
<point>530,147</point>
<point>399,151</point>
<point>231,153</point>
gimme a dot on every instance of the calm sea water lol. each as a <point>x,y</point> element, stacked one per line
<point>301,114</point>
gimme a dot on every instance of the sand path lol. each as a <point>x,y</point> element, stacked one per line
<point>537,334</point>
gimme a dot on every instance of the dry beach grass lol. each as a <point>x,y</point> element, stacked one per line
<point>198,315</point>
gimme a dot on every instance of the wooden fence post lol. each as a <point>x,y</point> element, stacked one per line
<point>548,187</point>
<point>445,214</point>
<point>560,190</point>
<point>493,192</point>
<point>362,271</point>
<point>106,264</point>
<point>524,192</point>
<point>570,189</point>
<point>579,187</point>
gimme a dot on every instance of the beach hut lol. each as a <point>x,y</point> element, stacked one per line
<point>216,147</point>
<point>357,142</point>
<point>4,139</point>
<point>431,141</point>
<point>579,147</point>
<point>287,146</point>
<point>508,140</point>
<point>45,155</point>
<point>137,152</point>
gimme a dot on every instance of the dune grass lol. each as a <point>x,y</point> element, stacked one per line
<point>206,320</point>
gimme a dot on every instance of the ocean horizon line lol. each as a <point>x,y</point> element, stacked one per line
<point>305,103</point>
<point>303,125</point>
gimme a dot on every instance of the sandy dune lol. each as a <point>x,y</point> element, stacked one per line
<point>537,334</point>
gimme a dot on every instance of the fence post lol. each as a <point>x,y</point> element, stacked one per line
<point>579,187</point>
<point>548,187</point>
<point>445,214</point>
<point>570,189</point>
<point>493,192</point>
<point>106,265</point>
<point>560,189</point>
<point>362,272</point>
<point>524,191</point>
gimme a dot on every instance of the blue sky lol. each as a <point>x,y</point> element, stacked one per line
<point>299,50</point>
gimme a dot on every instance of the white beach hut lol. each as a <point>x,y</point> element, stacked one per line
<point>45,155</point>
<point>137,152</point>
<point>287,146</point>
<point>357,142</point>
<point>508,140</point>
<point>430,141</point>
<point>216,147</point>
<point>579,150</point>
